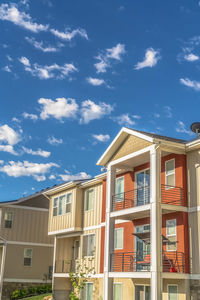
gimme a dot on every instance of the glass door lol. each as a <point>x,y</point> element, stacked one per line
<point>143,187</point>
<point>142,292</point>
<point>142,249</point>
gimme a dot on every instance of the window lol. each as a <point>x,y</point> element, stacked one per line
<point>119,188</point>
<point>117,291</point>
<point>28,257</point>
<point>55,206</point>
<point>68,203</point>
<point>172,292</point>
<point>170,173</point>
<point>118,238</point>
<point>171,234</point>
<point>88,245</point>
<point>8,219</point>
<point>89,199</point>
<point>87,292</point>
<point>61,205</point>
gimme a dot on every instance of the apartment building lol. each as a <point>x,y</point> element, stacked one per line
<point>26,250</point>
<point>75,224</point>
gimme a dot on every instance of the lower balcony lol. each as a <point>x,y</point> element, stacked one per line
<point>173,262</point>
<point>66,266</point>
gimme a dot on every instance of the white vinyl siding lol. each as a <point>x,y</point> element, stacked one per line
<point>88,245</point>
<point>170,173</point>
<point>117,291</point>
<point>119,238</point>
<point>8,219</point>
<point>171,234</point>
<point>119,188</point>
<point>172,292</point>
<point>28,257</point>
<point>89,199</point>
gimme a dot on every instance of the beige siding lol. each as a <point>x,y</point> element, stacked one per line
<point>28,226</point>
<point>64,248</point>
<point>93,217</point>
<point>194,234</point>
<point>131,144</point>
<point>193,169</point>
<point>14,264</point>
<point>66,221</point>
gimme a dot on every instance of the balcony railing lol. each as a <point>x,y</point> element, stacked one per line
<point>169,194</point>
<point>173,262</point>
<point>64,266</point>
<point>75,265</point>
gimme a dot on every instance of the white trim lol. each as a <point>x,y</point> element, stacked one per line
<point>93,227</point>
<point>168,275</point>
<point>193,209</point>
<point>26,280</point>
<point>25,207</point>
<point>69,235</point>
<point>86,199</point>
<point>195,276</point>
<point>3,259</point>
<point>171,235</point>
<point>66,275</point>
<point>130,274</point>
<point>168,290</point>
<point>29,244</point>
<point>65,230</point>
<point>173,173</point>
<point>28,257</point>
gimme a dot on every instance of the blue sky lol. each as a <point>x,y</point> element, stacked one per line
<point>72,73</point>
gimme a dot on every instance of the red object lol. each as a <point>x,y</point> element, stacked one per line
<point>173,270</point>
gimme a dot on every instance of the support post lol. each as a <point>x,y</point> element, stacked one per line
<point>156,223</point>
<point>54,261</point>
<point>109,234</point>
<point>3,260</point>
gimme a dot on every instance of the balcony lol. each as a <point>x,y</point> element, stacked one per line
<point>171,195</point>
<point>173,262</point>
<point>65,266</point>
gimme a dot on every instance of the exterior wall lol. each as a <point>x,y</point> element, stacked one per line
<point>93,217</point>
<point>194,234</point>
<point>28,226</point>
<point>131,144</point>
<point>183,288</point>
<point>14,262</point>
<point>69,220</point>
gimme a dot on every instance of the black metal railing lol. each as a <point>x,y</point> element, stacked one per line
<point>137,197</point>
<point>173,262</point>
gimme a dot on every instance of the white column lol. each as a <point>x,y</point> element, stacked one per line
<point>54,261</point>
<point>3,259</point>
<point>156,223</point>
<point>109,234</point>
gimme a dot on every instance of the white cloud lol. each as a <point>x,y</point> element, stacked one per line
<point>91,111</point>
<point>30,116</point>
<point>25,61</point>
<point>38,152</point>
<point>191,57</point>
<point>40,45</point>
<point>105,57</point>
<point>95,81</point>
<point>101,137</point>
<point>191,83</point>
<point>181,128</point>
<point>124,119</point>
<point>47,72</point>
<point>60,108</point>
<point>168,111</point>
<point>69,35</point>
<point>10,12</point>
<point>156,115</point>
<point>14,119</point>
<point>8,149</point>
<point>79,176</point>
<point>9,57</point>
<point>54,141</point>
<point>150,60</point>
<point>52,177</point>
<point>136,117</point>
<point>7,69</point>
<point>28,169</point>
<point>9,135</point>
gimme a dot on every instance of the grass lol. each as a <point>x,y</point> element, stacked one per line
<point>39,297</point>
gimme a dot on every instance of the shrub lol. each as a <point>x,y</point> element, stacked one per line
<point>31,291</point>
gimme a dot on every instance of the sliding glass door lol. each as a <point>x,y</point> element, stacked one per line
<point>142,292</point>
<point>143,187</point>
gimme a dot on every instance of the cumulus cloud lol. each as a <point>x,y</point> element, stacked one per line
<point>11,13</point>
<point>181,128</point>
<point>9,135</point>
<point>101,137</point>
<point>40,45</point>
<point>191,57</point>
<point>47,72</point>
<point>28,169</point>
<point>95,81</point>
<point>30,116</point>
<point>52,140</point>
<point>59,109</point>
<point>68,34</point>
<point>150,60</point>
<point>106,57</point>
<point>79,176</point>
<point>91,111</point>
<point>38,152</point>
<point>8,149</point>
<point>124,119</point>
<point>195,85</point>
<point>7,69</point>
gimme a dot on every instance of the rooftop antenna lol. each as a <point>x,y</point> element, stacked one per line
<point>195,127</point>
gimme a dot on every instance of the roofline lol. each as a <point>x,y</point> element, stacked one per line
<point>22,199</point>
<point>62,186</point>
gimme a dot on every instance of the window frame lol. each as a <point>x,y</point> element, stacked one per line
<point>118,283</point>
<point>120,199</point>
<point>167,187</point>
<point>7,213</point>
<point>168,290</point>
<point>89,283</point>
<point>63,204</point>
<point>55,206</point>
<point>88,244</point>
<point>68,212</point>
<point>28,257</point>
<point>87,199</point>
<point>122,229</point>
<point>171,235</point>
